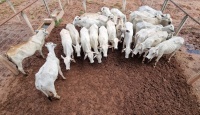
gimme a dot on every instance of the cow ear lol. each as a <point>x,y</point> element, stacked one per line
<point>123,49</point>
<point>62,56</point>
<point>109,46</point>
<point>85,56</point>
<point>127,31</point>
<point>73,60</point>
<point>95,56</point>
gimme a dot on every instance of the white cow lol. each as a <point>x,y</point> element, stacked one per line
<point>112,37</point>
<point>67,48</point>
<point>138,16</point>
<point>94,41</point>
<point>75,38</point>
<point>48,73</point>
<point>154,40</point>
<point>150,10</point>
<point>94,37</point>
<point>118,13</point>
<point>167,47</point>
<point>86,22</point>
<point>143,34</point>
<point>105,11</point>
<point>128,39</point>
<point>18,53</point>
<point>96,16</point>
<point>103,40</point>
<point>119,28</point>
<point>85,43</point>
<point>144,25</point>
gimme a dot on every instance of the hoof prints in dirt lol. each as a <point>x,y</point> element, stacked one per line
<point>117,85</point>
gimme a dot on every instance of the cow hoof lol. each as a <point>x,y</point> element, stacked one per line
<point>49,99</point>
<point>57,97</point>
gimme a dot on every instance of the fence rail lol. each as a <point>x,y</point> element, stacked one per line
<point>6,20</point>
<point>184,18</point>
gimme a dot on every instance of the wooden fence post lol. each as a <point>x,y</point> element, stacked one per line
<point>9,65</point>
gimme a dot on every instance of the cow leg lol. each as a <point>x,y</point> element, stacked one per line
<point>123,45</point>
<point>55,94</point>
<point>144,56</point>
<point>20,68</point>
<point>171,56</point>
<point>157,60</point>
<point>40,50</point>
<point>60,72</point>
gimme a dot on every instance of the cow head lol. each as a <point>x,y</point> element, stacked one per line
<point>127,51</point>
<point>67,61</point>
<point>153,52</point>
<point>90,55</point>
<point>77,49</point>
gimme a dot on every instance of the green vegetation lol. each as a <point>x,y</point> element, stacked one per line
<point>57,23</point>
<point>2,1</point>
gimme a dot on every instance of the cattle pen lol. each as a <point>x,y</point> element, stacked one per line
<point>117,85</point>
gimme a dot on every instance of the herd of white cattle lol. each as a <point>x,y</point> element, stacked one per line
<point>150,30</point>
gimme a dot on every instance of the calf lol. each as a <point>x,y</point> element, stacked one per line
<point>128,39</point>
<point>75,38</point>
<point>85,43</point>
<point>21,51</point>
<point>67,48</point>
<point>48,73</point>
<point>167,47</point>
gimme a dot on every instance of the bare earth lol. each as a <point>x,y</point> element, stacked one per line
<point>117,86</point>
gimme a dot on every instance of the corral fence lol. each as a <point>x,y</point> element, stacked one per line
<point>21,11</point>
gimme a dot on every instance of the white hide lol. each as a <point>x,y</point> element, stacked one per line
<point>128,39</point>
<point>75,38</point>
<point>85,43</point>
<point>105,11</point>
<point>144,25</point>
<point>48,73</point>
<point>138,16</point>
<point>112,37</point>
<point>86,22</point>
<point>94,37</point>
<point>96,16</point>
<point>150,10</point>
<point>94,41</point>
<point>67,47</point>
<point>103,40</point>
<point>119,28</point>
<point>118,13</point>
<point>21,51</point>
<point>154,40</point>
<point>167,47</point>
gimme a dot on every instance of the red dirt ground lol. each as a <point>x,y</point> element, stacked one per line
<point>117,86</point>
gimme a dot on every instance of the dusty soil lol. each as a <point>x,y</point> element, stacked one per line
<point>117,86</point>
